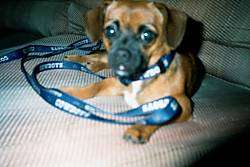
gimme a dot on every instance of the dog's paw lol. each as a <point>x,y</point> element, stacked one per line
<point>74,58</point>
<point>139,134</point>
<point>91,62</point>
<point>70,90</point>
<point>81,93</point>
<point>84,60</point>
<point>95,66</point>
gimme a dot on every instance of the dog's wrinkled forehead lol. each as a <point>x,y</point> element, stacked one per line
<point>133,15</point>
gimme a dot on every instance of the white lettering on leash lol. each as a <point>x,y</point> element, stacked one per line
<point>173,105</point>
<point>89,108</point>
<point>152,72</point>
<point>165,62</point>
<point>51,65</point>
<point>58,94</point>
<point>155,105</point>
<point>80,43</point>
<point>5,58</point>
<point>53,48</point>
<point>70,108</point>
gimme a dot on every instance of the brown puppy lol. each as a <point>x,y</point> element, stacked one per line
<point>136,34</point>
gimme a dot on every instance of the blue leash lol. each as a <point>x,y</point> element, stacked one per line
<point>157,112</point>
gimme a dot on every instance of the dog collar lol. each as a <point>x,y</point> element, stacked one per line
<point>161,66</point>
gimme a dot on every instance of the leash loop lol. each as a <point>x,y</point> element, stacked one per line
<point>157,112</point>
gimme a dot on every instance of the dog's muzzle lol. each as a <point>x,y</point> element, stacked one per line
<point>126,62</point>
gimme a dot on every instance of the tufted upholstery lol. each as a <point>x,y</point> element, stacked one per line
<point>227,36</point>
<point>33,133</point>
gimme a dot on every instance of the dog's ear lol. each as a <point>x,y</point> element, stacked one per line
<point>176,27</point>
<point>176,24</point>
<point>94,20</point>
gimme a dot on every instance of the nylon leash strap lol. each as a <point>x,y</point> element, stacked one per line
<point>157,112</point>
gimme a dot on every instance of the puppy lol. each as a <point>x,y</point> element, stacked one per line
<point>137,34</point>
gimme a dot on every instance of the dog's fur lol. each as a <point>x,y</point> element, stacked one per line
<point>171,27</point>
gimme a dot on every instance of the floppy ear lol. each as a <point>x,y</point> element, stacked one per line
<point>175,25</point>
<point>94,23</point>
<point>94,20</point>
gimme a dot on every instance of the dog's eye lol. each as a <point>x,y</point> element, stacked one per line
<point>147,36</point>
<point>111,31</point>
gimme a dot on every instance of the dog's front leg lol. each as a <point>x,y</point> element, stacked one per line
<point>140,134</point>
<point>95,62</point>
<point>107,87</point>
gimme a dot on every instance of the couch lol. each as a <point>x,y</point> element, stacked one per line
<point>34,133</point>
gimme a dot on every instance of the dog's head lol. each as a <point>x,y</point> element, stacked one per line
<point>135,33</point>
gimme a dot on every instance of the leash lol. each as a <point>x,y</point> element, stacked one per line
<point>152,71</point>
<point>157,112</point>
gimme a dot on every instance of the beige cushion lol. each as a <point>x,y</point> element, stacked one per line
<point>33,133</point>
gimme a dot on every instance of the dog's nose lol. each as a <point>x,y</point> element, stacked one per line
<point>123,55</point>
<point>125,62</point>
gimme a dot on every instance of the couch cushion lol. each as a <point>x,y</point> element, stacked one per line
<point>33,133</point>
<point>10,38</point>
<point>224,20</point>
<point>229,63</point>
<point>226,30</point>
<point>47,18</point>
<point>88,4</point>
